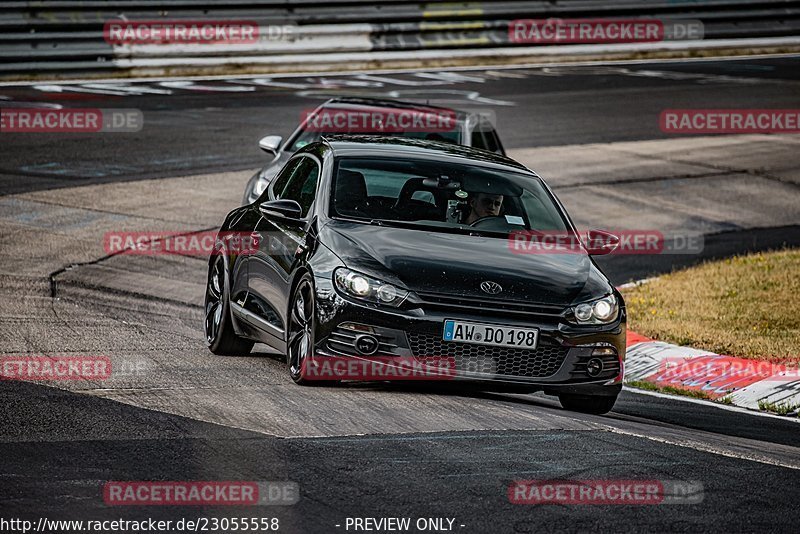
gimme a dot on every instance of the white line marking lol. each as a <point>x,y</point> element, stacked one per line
<point>190,86</point>
<point>637,283</point>
<point>704,447</point>
<point>730,408</point>
<point>468,68</point>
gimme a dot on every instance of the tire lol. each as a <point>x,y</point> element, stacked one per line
<point>596,404</point>
<point>218,327</point>
<point>300,331</point>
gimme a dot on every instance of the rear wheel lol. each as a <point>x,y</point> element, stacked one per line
<point>220,337</point>
<point>587,404</point>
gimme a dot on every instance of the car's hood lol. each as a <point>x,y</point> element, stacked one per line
<point>456,264</point>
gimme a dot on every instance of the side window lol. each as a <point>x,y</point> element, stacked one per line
<point>280,181</point>
<point>477,139</point>
<point>301,184</point>
<point>492,143</point>
<point>484,137</point>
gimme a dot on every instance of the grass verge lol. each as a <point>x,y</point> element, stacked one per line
<point>744,306</point>
<point>649,386</point>
<point>779,408</point>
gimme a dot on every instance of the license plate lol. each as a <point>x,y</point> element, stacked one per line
<point>490,334</point>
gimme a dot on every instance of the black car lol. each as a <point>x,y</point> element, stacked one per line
<point>384,249</point>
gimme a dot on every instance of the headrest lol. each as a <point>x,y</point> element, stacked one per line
<point>350,184</point>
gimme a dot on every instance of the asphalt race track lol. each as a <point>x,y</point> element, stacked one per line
<point>176,412</point>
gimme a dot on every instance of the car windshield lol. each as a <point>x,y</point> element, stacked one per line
<point>445,197</point>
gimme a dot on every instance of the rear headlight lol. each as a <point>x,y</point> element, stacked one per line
<point>600,311</point>
<point>366,288</point>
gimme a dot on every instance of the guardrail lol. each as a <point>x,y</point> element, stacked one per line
<point>66,37</point>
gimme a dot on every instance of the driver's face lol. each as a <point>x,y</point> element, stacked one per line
<point>487,205</point>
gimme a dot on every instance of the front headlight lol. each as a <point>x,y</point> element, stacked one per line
<point>600,311</point>
<point>366,288</point>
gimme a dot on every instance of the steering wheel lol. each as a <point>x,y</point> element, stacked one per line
<point>478,222</point>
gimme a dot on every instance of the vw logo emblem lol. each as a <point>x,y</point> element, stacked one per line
<point>493,288</point>
<point>366,344</point>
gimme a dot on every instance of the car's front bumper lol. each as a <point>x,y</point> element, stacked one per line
<point>557,365</point>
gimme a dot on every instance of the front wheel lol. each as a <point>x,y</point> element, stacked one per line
<point>596,405</point>
<point>300,341</point>
<point>220,337</point>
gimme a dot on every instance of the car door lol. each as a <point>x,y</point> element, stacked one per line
<point>280,245</point>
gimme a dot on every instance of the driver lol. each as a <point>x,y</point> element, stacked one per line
<point>484,205</point>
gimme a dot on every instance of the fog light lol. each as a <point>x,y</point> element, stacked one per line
<point>357,327</point>
<point>366,345</point>
<point>594,367</point>
<point>604,351</point>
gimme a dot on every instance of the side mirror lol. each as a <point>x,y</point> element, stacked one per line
<point>285,209</point>
<point>599,242</point>
<point>270,144</point>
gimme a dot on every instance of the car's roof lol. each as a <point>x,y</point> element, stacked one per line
<point>356,103</point>
<point>365,145</point>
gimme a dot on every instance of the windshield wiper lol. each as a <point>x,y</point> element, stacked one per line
<point>435,227</point>
<point>463,230</point>
<point>407,224</point>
